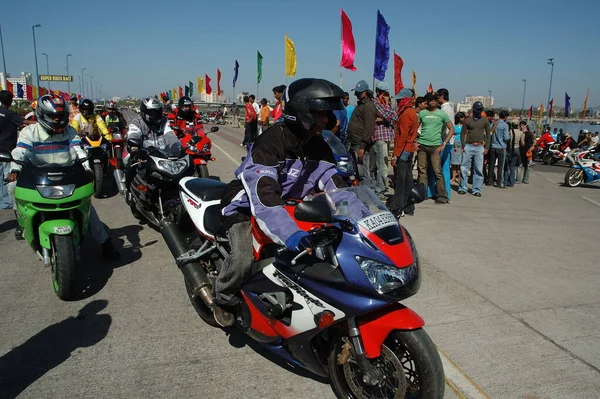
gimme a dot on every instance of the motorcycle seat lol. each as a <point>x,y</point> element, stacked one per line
<point>213,220</point>
<point>206,189</point>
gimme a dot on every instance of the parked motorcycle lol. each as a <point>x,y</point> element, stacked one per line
<point>53,204</point>
<point>116,157</point>
<point>198,146</point>
<point>584,171</point>
<point>154,189</point>
<point>334,312</point>
<point>97,150</point>
<point>555,154</point>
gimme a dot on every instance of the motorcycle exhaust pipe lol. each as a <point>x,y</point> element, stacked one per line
<point>191,269</point>
<point>120,180</point>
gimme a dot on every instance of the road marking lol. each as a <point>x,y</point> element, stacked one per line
<point>459,381</point>
<point>591,201</point>
<point>232,159</point>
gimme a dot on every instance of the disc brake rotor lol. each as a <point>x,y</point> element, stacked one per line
<point>392,385</point>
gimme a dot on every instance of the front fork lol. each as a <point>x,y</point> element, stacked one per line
<point>371,375</point>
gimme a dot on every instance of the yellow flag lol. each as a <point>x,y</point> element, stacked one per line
<point>585,104</point>
<point>34,92</point>
<point>541,111</point>
<point>1,88</point>
<point>200,87</point>
<point>174,94</point>
<point>290,57</point>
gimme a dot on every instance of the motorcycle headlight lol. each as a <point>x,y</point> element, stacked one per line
<point>386,278</point>
<point>117,136</point>
<point>206,148</point>
<point>173,167</point>
<point>193,148</point>
<point>345,166</point>
<point>56,192</point>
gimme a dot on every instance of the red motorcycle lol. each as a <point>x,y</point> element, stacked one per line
<point>198,147</point>
<point>116,156</point>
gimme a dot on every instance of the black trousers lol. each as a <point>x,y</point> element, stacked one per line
<point>404,184</point>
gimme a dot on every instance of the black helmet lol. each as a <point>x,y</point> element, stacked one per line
<point>86,107</point>
<point>52,113</point>
<point>185,101</point>
<point>151,110</point>
<point>304,96</point>
<point>111,106</point>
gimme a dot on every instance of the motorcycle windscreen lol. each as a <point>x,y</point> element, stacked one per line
<point>167,144</point>
<point>47,155</point>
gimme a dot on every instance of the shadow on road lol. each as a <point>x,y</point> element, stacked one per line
<point>96,271</point>
<point>238,339</point>
<point>8,225</point>
<point>29,361</point>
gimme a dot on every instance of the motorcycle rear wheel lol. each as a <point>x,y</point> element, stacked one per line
<point>422,371</point>
<point>574,177</point>
<point>98,180</point>
<point>200,307</point>
<point>62,253</point>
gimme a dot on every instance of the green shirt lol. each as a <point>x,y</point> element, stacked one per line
<point>431,126</point>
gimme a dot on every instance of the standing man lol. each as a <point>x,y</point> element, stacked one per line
<point>475,138</point>
<point>360,130</point>
<point>448,108</point>
<point>498,144</point>
<point>404,148</point>
<point>9,123</point>
<point>349,107</point>
<point>251,123</point>
<point>254,125</point>
<point>431,145</point>
<point>277,113</point>
<point>383,135</point>
<point>235,112</point>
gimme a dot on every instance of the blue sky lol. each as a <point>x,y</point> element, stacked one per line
<point>144,47</point>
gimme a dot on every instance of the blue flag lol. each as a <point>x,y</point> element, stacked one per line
<point>20,90</point>
<point>235,75</point>
<point>567,104</point>
<point>382,48</point>
<point>187,90</point>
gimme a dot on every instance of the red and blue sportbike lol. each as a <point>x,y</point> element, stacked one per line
<point>333,310</point>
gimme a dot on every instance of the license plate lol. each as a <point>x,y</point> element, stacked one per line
<point>62,229</point>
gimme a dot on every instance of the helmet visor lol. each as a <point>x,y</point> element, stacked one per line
<point>325,104</point>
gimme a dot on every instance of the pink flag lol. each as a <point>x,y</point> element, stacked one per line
<point>348,49</point>
<point>398,64</point>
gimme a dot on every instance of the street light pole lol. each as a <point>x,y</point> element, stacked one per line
<point>47,69</point>
<point>82,88</point>
<point>91,91</point>
<point>550,62</point>
<point>37,73</point>
<point>68,83</point>
<point>523,103</point>
<point>3,60</point>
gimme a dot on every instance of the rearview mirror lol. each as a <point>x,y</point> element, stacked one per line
<point>134,142</point>
<point>313,211</point>
<point>214,129</point>
<point>5,156</point>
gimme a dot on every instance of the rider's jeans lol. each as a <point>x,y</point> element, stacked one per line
<point>95,229</point>
<point>236,267</point>
<point>5,202</point>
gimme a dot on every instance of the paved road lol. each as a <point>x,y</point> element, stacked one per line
<point>510,294</point>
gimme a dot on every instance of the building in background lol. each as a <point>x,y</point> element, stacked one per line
<point>211,98</point>
<point>467,105</point>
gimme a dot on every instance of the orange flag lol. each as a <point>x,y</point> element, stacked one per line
<point>430,89</point>
<point>218,82</point>
<point>180,92</point>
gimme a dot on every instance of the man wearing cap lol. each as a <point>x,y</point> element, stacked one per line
<point>476,142</point>
<point>404,148</point>
<point>383,135</point>
<point>361,128</point>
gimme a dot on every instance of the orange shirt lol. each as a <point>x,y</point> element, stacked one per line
<point>406,132</point>
<point>264,114</point>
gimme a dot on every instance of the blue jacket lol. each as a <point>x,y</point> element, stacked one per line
<point>500,136</point>
<point>278,167</point>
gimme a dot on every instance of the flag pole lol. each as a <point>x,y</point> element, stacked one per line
<point>341,52</point>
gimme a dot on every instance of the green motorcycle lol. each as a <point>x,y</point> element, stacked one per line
<point>53,207</point>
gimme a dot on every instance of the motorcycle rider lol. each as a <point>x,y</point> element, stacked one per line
<point>88,123</point>
<point>184,116</point>
<point>151,127</point>
<point>45,142</point>
<point>545,142</point>
<point>290,160</point>
<point>114,118</point>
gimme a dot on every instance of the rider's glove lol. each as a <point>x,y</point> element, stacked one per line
<point>298,241</point>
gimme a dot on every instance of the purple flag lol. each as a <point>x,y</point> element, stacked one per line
<point>567,104</point>
<point>187,90</point>
<point>382,48</point>
<point>20,93</point>
<point>235,75</point>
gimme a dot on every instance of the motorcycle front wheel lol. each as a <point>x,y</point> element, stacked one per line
<point>409,361</point>
<point>201,171</point>
<point>98,179</point>
<point>574,177</point>
<point>62,254</point>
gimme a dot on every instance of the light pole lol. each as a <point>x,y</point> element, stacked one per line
<point>490,96</point>
<point>91,91</point>
<point>79,80</point>
<point>550,62</point>
<point>3,59</point>
<point>37,73</point>
<point>523,103</point>
<point>47,69</point>
<point>68,83</point>
<point>82,86</point>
